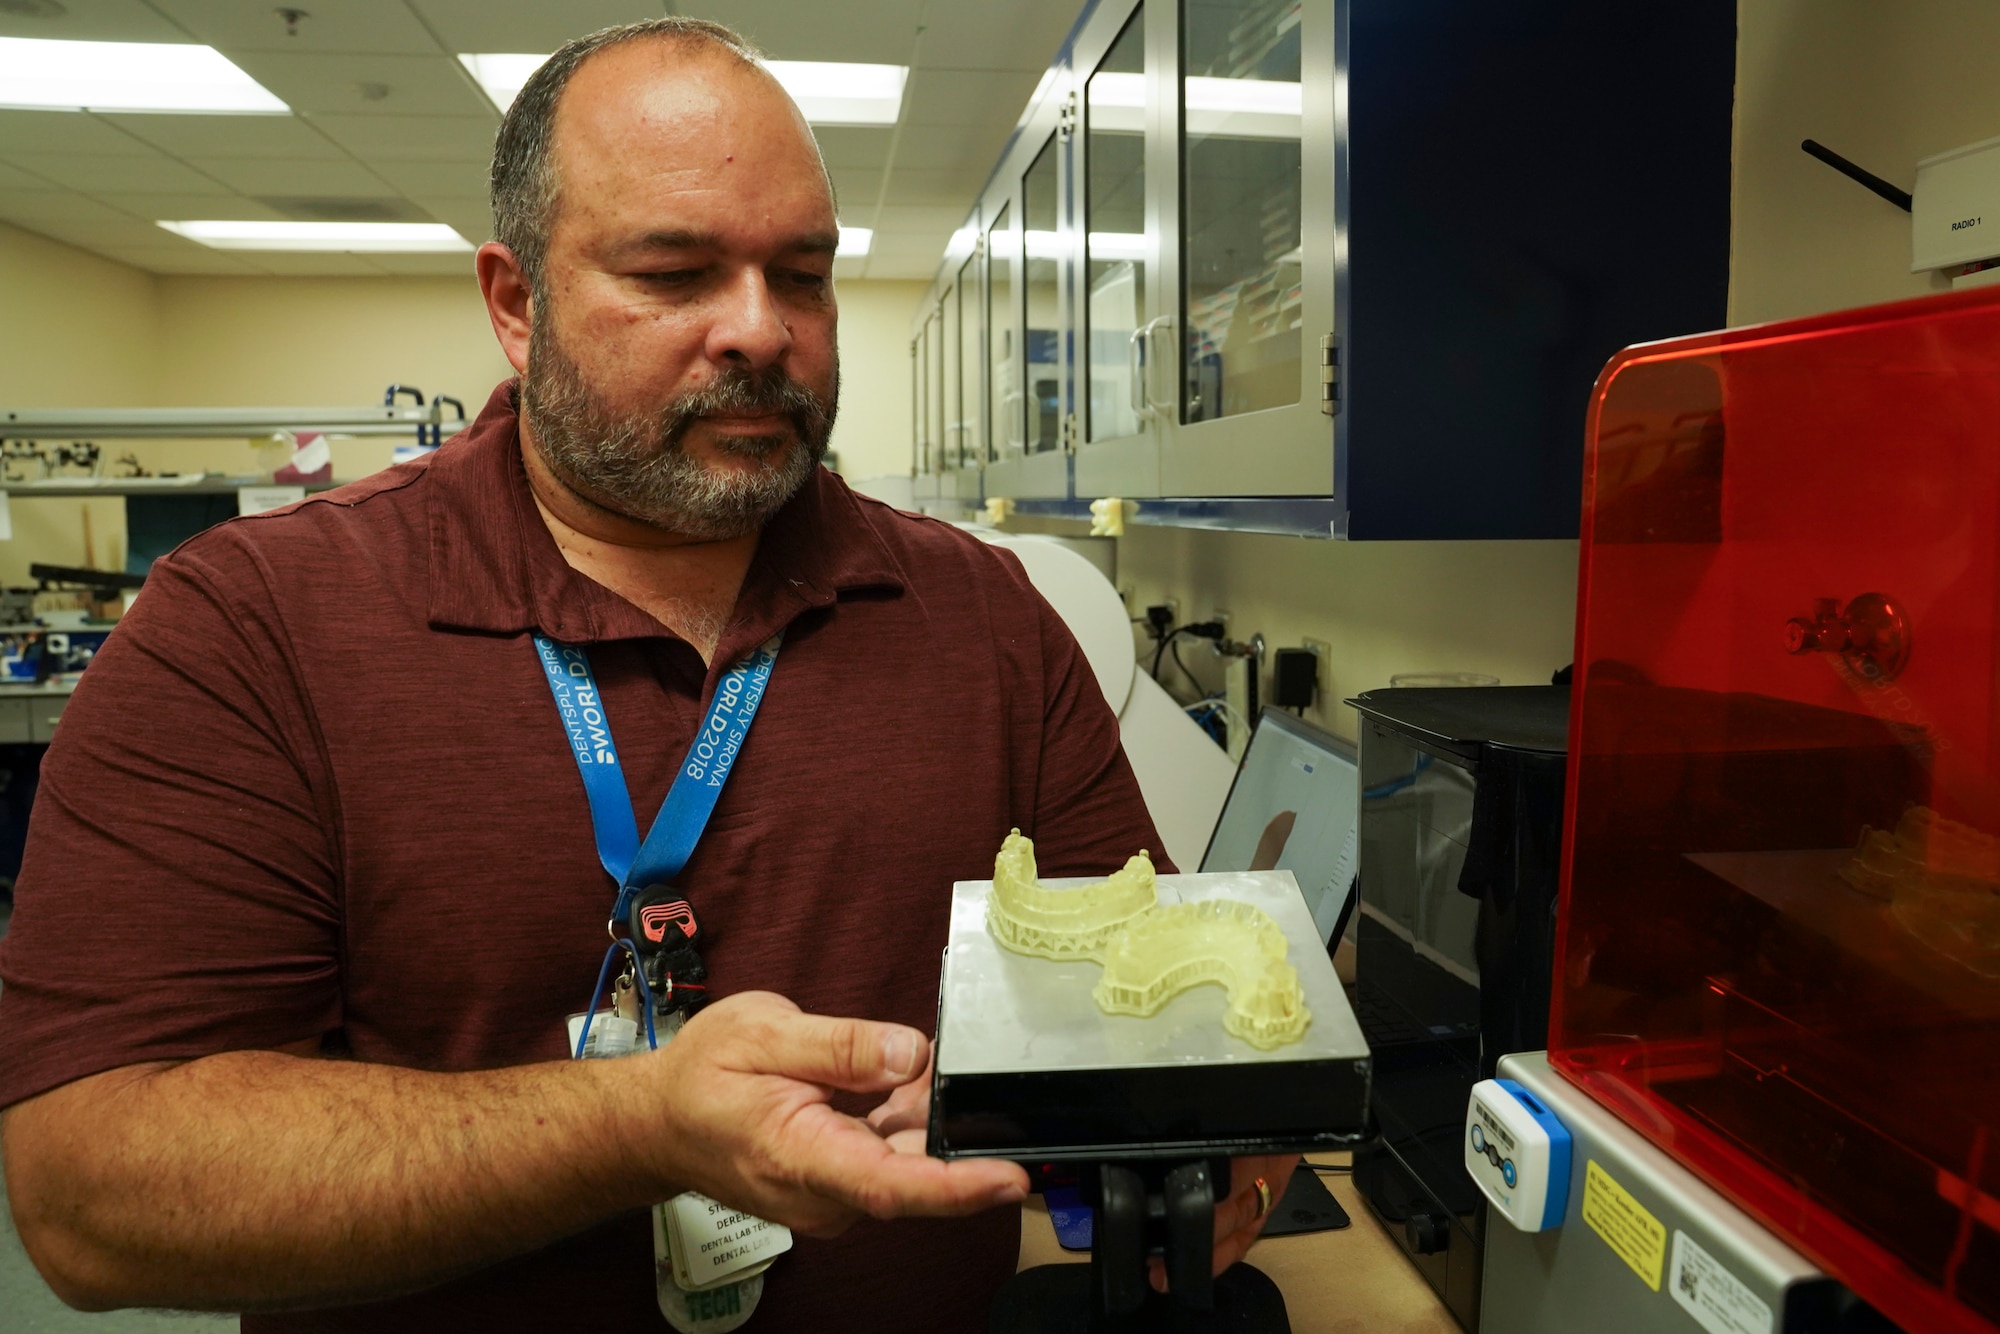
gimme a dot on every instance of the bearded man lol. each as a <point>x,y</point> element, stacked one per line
<point>313,882</point>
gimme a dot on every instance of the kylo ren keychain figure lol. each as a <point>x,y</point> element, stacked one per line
<point>665,932</point>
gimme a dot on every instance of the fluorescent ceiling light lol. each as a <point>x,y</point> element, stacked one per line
<point>836,93</point>
<point>828,92</point>
<point>501,73</point>
<point>854,242</point>
<point>48,75</point>
<point>403,238</point>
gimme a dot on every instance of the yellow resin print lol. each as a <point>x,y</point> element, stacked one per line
<point>1062,923</point>
<point>1150,953</point>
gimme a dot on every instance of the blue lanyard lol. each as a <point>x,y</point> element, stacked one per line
<point>691,799</point>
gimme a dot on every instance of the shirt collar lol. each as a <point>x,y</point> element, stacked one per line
<point>496,569</point>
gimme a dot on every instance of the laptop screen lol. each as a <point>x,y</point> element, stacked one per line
<point>1293,808</point>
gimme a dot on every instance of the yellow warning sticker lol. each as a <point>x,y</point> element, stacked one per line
<point>1624,1223</point>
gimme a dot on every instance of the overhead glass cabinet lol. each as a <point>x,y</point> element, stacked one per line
<point>919,411</point>
<point>1119,305</point>
<point>1343,261</point>
<point>953,437</point>
<point>1256,214</point>
<point>1027,201</point>
<point>1007,417</point>
<point>934,393</point>
<point>970,439</point>
<point>1042,348</point>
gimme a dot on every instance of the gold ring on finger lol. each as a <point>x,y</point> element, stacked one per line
<point>1263,1196</point>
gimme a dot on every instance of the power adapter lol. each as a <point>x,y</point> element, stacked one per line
<point>1294,677</point>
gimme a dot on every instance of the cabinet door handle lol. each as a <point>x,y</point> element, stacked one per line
<point>1138,351</point>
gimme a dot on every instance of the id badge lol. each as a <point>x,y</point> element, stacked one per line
<point>679,1259</point>
<point>708,1259</point>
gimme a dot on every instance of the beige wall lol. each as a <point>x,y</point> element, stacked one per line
<point>76,331</point>
<point>872,434</point>
<point>1881,84</point>
<point>1505,609</point>
<point>82,331</point>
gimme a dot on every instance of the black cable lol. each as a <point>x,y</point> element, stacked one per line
<point>1161,651</point>
<point>1188,674</point>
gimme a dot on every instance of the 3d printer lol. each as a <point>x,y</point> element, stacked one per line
<point>1779,950</point>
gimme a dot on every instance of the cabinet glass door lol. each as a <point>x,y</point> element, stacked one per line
<point>953,437</point>
<point>919,414</point>
<point>1041,214</point>
<point>934,394</point>
<point>1006,419</point>
<point>1116,254</point>
<point>1242,206</point>
<point>1255,163</point>
<point>969,436</point>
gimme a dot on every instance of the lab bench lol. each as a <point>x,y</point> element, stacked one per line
<point>29,712</point>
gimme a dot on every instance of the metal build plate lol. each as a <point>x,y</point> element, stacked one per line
<point>1029,1067</point>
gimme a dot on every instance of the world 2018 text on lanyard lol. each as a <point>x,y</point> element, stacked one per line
<point>632,865</point>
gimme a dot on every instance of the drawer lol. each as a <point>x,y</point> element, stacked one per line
<point>14,719</point>
<point>43,715</point>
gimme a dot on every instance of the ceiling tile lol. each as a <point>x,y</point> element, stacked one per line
<point>940,218</point>
<point>432,266</point>
<point>1021,35</point>
<point>73,132</point>
<point>176,259</point>
<point>94,21</point>
<point>413,138</point>
<point>966,97</point>
<point>874,31</point>
<point>372,27</point>
<point>286,176</point>
<point>154,172</point>
<point>470,217</point>
<point>918,185</point>
<point>911,267</point>
<point>310,264</point>
<point>95,226</point>
<point>952,147</point>
<point>851,267</point>
<point>856,188</point>
<point>228,136</point>
<point>157,207</point>
<point>526,25</point>
<point>415,85</point>
<point>13,178</point>
<point>463,179</point>
<point>853,145</point>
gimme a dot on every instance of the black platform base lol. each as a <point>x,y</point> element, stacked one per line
<point>1057,1299</point>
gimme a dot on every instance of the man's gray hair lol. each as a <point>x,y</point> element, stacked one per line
<point>526,187</point>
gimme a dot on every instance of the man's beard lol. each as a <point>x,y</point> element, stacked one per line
<point>636,464</point>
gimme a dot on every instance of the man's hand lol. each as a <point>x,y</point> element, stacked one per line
<point>1239,1219</point>
<point>759,1134</point>
<point>185,1184</point>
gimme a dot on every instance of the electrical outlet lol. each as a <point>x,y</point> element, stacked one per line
<point>1323,651</point>
<point>1220,615</point>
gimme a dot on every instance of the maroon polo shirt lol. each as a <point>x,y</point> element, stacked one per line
<point>315,783</point>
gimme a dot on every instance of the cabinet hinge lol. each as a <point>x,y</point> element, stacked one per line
<point>1069,432</point>
<point>1329,374</point>
<point>1066,119</point>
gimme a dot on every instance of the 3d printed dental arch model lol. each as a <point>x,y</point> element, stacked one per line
<point>1151,953</point>
<point>1062,923</point>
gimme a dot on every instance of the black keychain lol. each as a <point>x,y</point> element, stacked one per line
<point>665,930</point>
